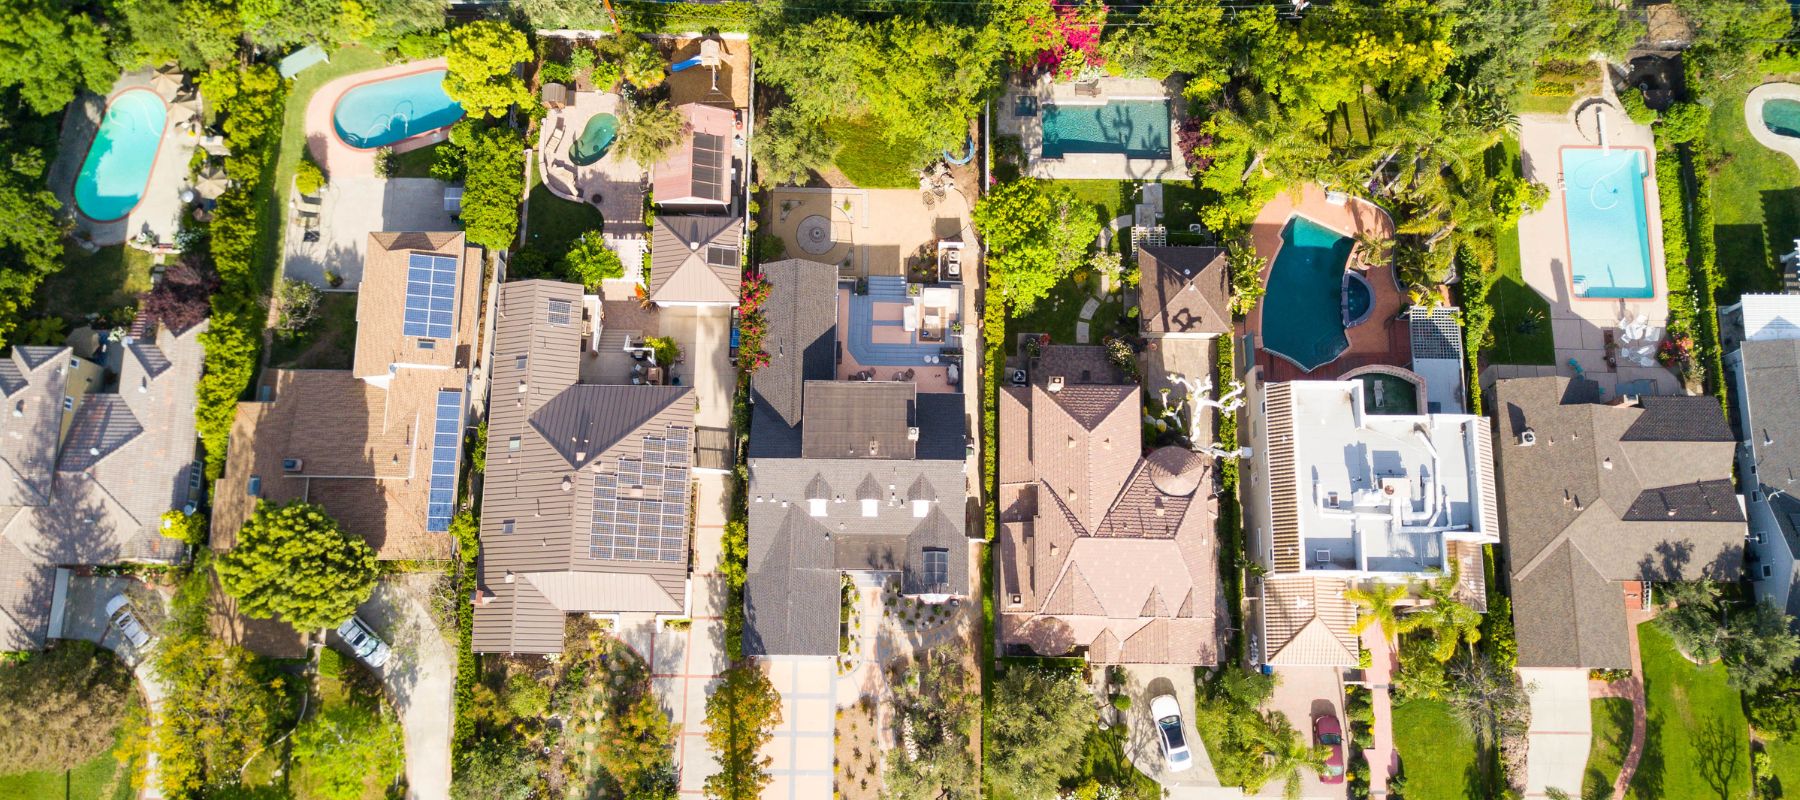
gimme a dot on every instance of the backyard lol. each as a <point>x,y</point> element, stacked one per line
<point>552,223</point>
<point>1756,202</point>
<point>96,283</point>
<point>1696,743</point>
<point>293,142</point>
<point>1521,325</point>
<point>1611,737</point>
<point>868,160</point>
<point>1438,757</point>
<point>328,342</point>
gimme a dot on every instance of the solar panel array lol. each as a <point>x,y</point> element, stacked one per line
<point>641,506</point>
<point>430,295</point>
<point>709,166</point>
<point>558,312</point>
<point>446,433</point>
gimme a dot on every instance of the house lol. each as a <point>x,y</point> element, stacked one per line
<point>586,497</point>
<point>698,173</point>
<point>92,463</point>
<point>694,261</point>
<point>1103,551</point>
<point>1183,292</point>
<point>379,444</point>
<point>1766,372</point>
<point>1339,495</point>
<point>862,477</point>
<point>1599,497</point>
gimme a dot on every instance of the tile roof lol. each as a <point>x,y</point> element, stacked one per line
<point>381,304</point>
<point>1307,621</point>
<point>1587,505</point>
<point>1183,290</point>
<point>695,260</point>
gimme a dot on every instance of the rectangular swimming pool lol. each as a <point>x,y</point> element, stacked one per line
<point>1133,128</point>
<point>1609,239</point>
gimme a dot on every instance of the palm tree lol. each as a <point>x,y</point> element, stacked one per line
<point>1449,619</point>
<point>1288,752</point>
<point>1379,604</point>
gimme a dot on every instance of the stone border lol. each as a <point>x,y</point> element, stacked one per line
<point>339,158</point>
<point>1753,106</point>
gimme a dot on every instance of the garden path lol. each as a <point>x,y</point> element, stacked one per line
<point>1632,689</point>
<point>1379,677</point>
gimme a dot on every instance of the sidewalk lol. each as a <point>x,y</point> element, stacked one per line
<point>1379,676</point>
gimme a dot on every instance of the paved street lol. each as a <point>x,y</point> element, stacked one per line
<point>420,679</point>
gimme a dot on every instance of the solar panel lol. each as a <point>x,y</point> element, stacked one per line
<point>641,506</point>
<point>430,295</point>
<point>446,435</point>
<point>722,256</point>
<point>709,166</point>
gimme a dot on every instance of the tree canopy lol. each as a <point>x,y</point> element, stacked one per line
<point>741,715</point>
<point>1033,733</point>
<point>482,58</point>
<point>50,53</point>
<point>294,562</point>
<point>1036,233</point>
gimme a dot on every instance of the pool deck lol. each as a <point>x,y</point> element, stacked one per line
<point>873,231</point>
<point>1753,110</point>
<point>1580,326</point>
<point>614,184</point>
<point>157,215</point>
<point>341,160</point>
<point>1384,338</point>
<point>1076,166</point>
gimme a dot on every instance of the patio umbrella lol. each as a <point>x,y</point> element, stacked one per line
<point>166,80</point>
<point>211,182</point>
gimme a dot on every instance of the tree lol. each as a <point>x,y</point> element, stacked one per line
<point>651,131</point>
<point>637,746</point>
<point>481,59</point>
<point>1246,276</point>
<point>565,14</point>
<point>294,561</point>
<point>296,302</point>
<point>1290,752</point>
<point>1775,706</point>
<point>30,246</point>
<point>336,751</point>
<point>1730,38</point>
<point>1685,122</point>
<point>1693,616</point>
<point>215,716</point>
<point>1034,730</point>
<point>1498,44</point>
<point>491,189</point>
<point>1037,233</point>
<point>495,770</point>
<point>1379,604</point>
<point>741,716</point>
<point>1760,646</point>
<point>1447,618</point>
<point>1489,701</point>
<point>49,53</point>
<point>61,707</point>
<point>1585,29</point>
<point>591,261</point>
<point>789,148</point>
<point>182,299</point>
<point>938,709</point>
<point>1189,37</point>
<point>196,34</point>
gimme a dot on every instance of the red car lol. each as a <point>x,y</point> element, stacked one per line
<point>1329,734</point>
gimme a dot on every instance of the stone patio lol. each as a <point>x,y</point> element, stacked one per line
<point>871,231</point>
<point>614,184</point>
<point>1043,91</point>
<point>352,207</point>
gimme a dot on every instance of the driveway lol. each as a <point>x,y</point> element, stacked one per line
<point>84,618</point>
<point>1303,693</point>
<point>685,664</point>
<point>801,752</point>
<point>420,678</point>
<point>1143,683</point>
<point>1561,730</point>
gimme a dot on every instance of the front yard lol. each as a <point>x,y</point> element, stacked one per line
<point>1697,742</point>
<point>1438,757</point>
<point>1611,737</point>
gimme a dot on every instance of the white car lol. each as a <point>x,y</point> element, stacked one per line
<point>1167,714</point>
<point>119,616</point>
<point>368,647</point>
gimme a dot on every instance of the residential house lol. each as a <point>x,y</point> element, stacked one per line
<point>92,463</point>
<point>697,174</point>
<point>694,261</point>
<point>1600,497</point>
<point>1766,374</point>
<point>858,477</point>
<point>1103,551</point>
<point>1183,292</point>
<point>1340,496</point>
<point>379,444</point>
<point>587,495</point>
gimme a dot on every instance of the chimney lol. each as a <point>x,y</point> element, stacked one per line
<point>912,434</point>
<point>1056,384</point>
<point>1527,437</point>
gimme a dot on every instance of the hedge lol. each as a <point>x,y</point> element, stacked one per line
<point>1706,257</point>
<point>1230,520</point>
<point>648,16</point>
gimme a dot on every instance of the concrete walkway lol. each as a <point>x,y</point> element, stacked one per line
<point>420,679</point>
<point>1561,731</point>
<point>1383,761</point>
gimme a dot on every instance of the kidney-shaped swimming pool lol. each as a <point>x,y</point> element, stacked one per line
<point>1304,309</point>
<point>380,113</point>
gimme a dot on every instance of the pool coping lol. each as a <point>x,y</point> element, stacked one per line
<point>1262,307</point>
<point>339,98</point>
<point>1753,106</point>
<point>1652,248</point>
<point>155,160</point>
<point>339,159</point>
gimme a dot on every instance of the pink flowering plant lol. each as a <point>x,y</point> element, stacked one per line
<point>1072,44</point>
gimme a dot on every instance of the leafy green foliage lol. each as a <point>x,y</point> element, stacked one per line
<point>1632,100</point>
<point>189,529</point>
<point>293,561</point>
<point>218,712</point>
<point>591,261</point>
<point>61,707</point>
<point>1755,640</point>
<point>478,447</point>
<point>789,148</point>
<point>1775,706</point>
<point>30,245</point>
<point>1584,28</point>
<point>664,349</point>
<point>526,696</point>
<point>338,752</point>
<point>1685,122</point>
<point>497,771</point>
<point>495,181</point>
<point>938,701</point>
<point>49,53</point>
<point>481,59</point>
<point>741,715</point>
<point>649,132</point>
<point>1185,36</point>
<point>1037,233</point>
<point>1250,748</point>
<point>196,34</point>
<point>1036,722</point>
<point>308,178</point>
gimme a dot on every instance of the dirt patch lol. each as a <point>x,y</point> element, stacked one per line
<point>858,760</point>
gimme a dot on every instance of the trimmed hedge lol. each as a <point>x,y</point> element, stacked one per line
<point>1230,520</point>
<point>649,16</point>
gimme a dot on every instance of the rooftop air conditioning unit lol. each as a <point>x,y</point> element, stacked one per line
<point>1056,384</point>
<point>292,465</point>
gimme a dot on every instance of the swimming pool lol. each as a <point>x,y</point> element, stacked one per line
<point>1303,310</point>
<point>596,136</point>
<point>1132,128</point>
<point>380,113</point>
<point>116,170</point>
<point>1609,240</point>
<point>1782,116</point>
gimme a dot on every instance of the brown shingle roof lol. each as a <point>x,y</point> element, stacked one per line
<point>381,304</point>
<point>695,260</point>
<point>1183,290</point>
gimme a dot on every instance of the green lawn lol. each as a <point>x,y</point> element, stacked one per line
<point>1058,314</point>
<point>553,223</point>
<point>1521,325</point>
<point>1756,204</point>
<point>1611,738</point>
<point>1437,755</point>
<point>1538,104</point>
<point>413,163</point>
<point>95,283</point>
<point>99,779</point>
<point>1697,742</point>
<point>328,343</point>
<point>1785,757</point>
<point>869,160</point>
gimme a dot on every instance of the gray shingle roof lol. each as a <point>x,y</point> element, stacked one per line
<point>801,313</point>
<point>1680,418</point>
<point>1770,414</point>
<point>845,419</point>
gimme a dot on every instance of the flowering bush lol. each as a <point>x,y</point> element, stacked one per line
<point>752,325</point>
<point>1675,351</point>
<point>1073,44</point>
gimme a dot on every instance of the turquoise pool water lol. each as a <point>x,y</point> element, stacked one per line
<point>117,167</point>
<point>1303,311</point>
<point>1609,241</point>
<point>1133,128</point>
<point>596,136</point>
<point>1782,116</point>
<point>381,113</point>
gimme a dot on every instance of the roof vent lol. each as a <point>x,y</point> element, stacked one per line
<point>912,434</point>
<point>874,447</point>
<point>1056,384</point>
<point>509,576</point>
<point>93,451</point>
<point>1527,437</point>
<point>1607,463</point>
<point>580,455</point>
<point>568,484</point>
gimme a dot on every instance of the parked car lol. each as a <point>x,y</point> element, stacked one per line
<point>368,647</point>
<point>1328,733</point>
<point>1167,714</point>
<point>120,617</point>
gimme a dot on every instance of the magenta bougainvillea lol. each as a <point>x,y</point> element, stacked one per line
<point>1072,43</point>
<point>752,325</point>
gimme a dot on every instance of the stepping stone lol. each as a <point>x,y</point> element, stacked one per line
<point>1088,308</point>
<point>1081,331</point>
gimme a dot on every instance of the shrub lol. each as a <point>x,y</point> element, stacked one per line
<point>650,131</point>
<point>666,351</point>
<point>308,178</point>
<point>1633,102</point>
<point>526,696</point>
<point>295,562</point>
<point>189,529</point>
<point>591,261</point>
<point>495,180</point>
